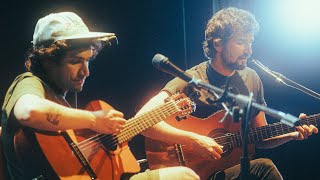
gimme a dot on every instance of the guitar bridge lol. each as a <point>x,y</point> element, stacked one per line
<point>179,152</point>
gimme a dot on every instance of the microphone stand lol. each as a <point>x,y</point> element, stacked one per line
<point>245,111</point>
<point>244,160</point>
<point>279,78</point>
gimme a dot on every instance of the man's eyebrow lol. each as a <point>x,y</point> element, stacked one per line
<point>75,57</point>
<point>244,39</point>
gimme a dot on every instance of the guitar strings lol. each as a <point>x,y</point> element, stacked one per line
<point>112,140</point>
<point>129,122</point>
<point>128,125</point>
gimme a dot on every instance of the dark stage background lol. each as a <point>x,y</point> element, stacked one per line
<point>123,75</point>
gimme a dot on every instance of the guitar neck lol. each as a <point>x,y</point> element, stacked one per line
<point>142,122</point>
<point>259,134</point>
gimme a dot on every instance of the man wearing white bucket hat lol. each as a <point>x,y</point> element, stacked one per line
<point>35,109</point>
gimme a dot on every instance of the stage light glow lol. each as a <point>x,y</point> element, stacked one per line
<point>299,17</point>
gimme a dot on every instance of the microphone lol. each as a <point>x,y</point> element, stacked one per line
<point>268,71</point>
<point>162,63</point>
<point>292,84</point>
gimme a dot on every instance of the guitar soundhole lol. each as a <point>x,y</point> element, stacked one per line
<point>222,138</point>
<point>109,142</point>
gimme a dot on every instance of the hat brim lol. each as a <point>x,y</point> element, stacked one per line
<point>89,35</point>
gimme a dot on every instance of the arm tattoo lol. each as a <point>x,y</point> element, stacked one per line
<point>53,115</point>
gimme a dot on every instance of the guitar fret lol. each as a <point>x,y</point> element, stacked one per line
<point>271,132</point>
<point>288,129</point>
<point>281,129</point>
<point>283,126</point>
<point>138,128</point>
<point>266,135</point>
<point>152,116</point>
<point>256,137</point>
<point>274,129</point>
<point>148,122</point>
<point>163,115</point>
<point>261,134</point>
<point>145,124</point>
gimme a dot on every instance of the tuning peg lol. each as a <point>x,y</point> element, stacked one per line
<point>179,118</point>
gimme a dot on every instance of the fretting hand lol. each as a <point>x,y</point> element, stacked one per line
<point>304,131</point>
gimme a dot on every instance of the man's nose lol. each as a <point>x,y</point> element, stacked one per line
<point>248,49</point>
<point>85,69</point>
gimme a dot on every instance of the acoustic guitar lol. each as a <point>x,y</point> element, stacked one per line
<point>85,154</point>
<point>226,134</point>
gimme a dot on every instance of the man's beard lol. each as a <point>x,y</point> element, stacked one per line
<point>235,65</point>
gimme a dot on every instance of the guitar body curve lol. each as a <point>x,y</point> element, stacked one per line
<point>161,155</point>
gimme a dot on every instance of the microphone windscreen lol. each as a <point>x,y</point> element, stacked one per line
<point>157,59</point>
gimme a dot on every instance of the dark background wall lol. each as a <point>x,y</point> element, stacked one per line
<point>123,75</point>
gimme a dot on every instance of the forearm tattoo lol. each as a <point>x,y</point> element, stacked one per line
<point>53,116</point>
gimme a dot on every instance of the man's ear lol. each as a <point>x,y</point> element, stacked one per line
<point>217,44</point>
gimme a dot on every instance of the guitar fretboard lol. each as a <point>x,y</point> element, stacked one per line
<point>259,134</point>
<point>140,123</point>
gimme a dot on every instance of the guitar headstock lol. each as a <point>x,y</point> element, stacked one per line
<point>183,104</point>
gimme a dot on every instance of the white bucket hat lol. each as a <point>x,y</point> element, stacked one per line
<point>64,26</point>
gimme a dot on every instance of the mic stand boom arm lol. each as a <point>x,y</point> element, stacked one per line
<point>242,100</point>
